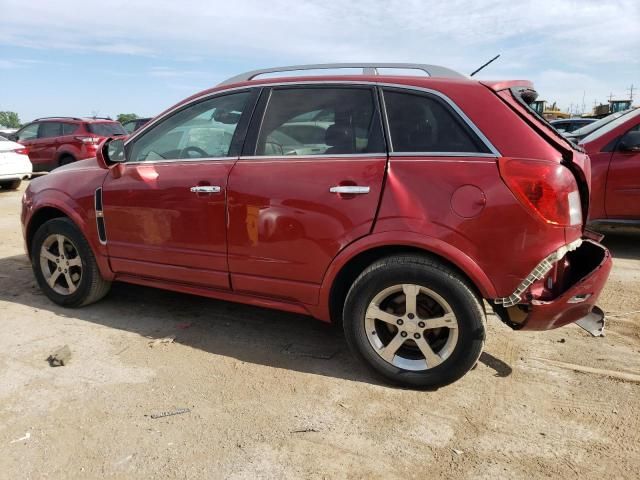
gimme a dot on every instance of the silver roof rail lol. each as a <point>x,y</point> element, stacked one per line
<point>367,69</point>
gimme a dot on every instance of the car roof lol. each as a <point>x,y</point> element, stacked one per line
<point>75,119</point>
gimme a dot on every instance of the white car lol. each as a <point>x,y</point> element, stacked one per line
<point>15,165</point>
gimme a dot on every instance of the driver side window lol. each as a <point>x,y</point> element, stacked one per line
<point>202,130</point>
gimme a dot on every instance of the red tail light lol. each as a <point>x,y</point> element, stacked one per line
<point>547,188</point>
<point>22,151</point>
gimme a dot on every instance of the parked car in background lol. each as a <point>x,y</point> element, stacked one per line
<point>56,141</point>
<point>578,135</point>
<point>614,150</point>
<point>392,205</point>
<point>568,125</point>
<point>133,125</point>
<point>14,164</point>
<point>6,132</point>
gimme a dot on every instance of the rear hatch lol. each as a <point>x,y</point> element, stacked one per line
<point>518,95</point>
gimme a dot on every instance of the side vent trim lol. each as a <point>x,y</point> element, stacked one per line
<point>102,231</point>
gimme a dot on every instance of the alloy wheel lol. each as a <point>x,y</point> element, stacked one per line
<point>411,327</point>
<point>61,264</point>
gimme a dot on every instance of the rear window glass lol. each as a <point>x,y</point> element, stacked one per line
<point>592,127</point>
<point>513,98</point>
<point>106,129</point>
<point>612,125</point>
<point>421,123</point>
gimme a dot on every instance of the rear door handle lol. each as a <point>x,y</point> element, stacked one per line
<point>205,189</point>
<point>350,189</point>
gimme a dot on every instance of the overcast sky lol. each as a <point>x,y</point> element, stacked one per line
<point>67,57</point>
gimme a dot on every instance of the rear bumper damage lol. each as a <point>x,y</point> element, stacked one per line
<point>562,289</point>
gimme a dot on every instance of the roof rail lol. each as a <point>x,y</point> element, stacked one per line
<point>99,118</point>
<point>49,118</point>
<point>367,69</point>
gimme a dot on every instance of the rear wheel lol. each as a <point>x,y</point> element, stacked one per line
<point>65,266</point>
<point>414,321</point>
<point>10,185</point>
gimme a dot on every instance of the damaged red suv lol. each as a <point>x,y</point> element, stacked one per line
<point>393,205</point>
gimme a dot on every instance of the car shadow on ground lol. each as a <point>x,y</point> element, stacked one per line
<point>246,333</point>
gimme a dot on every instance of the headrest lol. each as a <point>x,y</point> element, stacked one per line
<point>337,136</point>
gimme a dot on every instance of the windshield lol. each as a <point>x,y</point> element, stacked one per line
<point>106,129</point>
<point>592,127</point>
<point>628,115</point>
<point>2,139</point>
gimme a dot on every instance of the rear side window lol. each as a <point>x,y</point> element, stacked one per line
<point>320,121</point>
<point>49,130</point>
<point>106,129</point>
<point>422,123</point>
<point>69,128</point>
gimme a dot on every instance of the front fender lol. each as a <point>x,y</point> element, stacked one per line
<point>407,239</point>
<point>81,213</point>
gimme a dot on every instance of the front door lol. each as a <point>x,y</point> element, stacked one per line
<point>307,185</point>
<point>165,212</point>
<point>623,180</point>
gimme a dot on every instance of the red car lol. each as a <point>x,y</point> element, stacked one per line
<point>615,158</point>
<point>394,205</point>
<point>56,141</point>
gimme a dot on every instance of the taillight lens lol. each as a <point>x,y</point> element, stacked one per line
<point>549,189</point>
<point>22,151</point>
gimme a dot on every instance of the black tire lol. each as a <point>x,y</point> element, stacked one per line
<point>91,286</point>
<point>11,184</point>
<point>427,273</point>
<point>66,160</point>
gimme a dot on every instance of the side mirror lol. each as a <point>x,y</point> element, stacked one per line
<point>630,142</point>
<point>111,151</point>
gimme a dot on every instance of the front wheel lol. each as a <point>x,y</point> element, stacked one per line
<point>414,321</point>
<point>65,266</point>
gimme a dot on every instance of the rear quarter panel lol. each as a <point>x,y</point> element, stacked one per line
<point>464,203</point>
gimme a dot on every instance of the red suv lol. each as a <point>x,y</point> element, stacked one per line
<point>394,205</point>
<point>56,141</point>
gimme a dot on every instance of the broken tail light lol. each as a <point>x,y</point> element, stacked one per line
<point>548,189</point>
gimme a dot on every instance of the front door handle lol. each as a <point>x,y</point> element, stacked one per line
<point>205,189</point>
<point>350,189</point>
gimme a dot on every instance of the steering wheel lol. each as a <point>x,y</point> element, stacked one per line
<point>186,152</point>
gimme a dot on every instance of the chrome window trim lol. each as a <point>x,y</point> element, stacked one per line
<point>320,156</point>
<point>401,86</point>
<point>442,154</point>
<point>174,160</point>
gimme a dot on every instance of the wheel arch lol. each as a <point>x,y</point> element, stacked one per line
<point>354,259</point>
<point>39,218</point>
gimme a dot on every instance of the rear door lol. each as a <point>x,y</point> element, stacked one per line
<point>623,181</point>
<point>43,150</point>
<point>307,185</point>
<point>165,214</point>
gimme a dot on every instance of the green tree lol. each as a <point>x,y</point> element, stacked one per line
<point>10,119</point>
<point>125,117</point>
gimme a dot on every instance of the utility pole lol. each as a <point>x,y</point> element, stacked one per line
<point>630,90</point>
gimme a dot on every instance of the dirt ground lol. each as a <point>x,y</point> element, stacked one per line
<point>275,395</point>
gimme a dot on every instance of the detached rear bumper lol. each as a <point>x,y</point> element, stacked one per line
<point>582,276</point>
